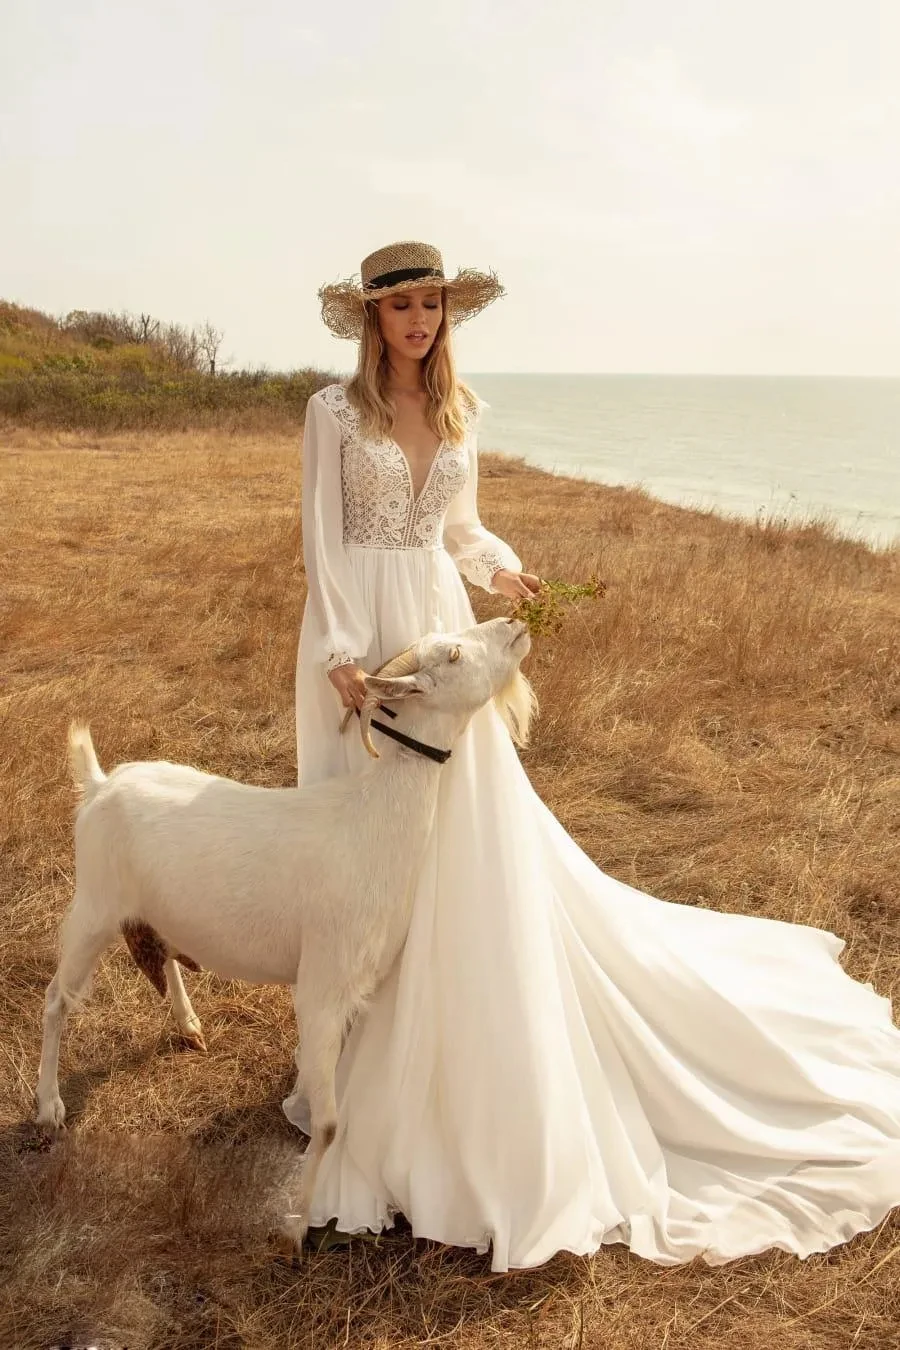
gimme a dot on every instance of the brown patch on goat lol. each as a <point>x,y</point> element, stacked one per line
<point>150,953</point>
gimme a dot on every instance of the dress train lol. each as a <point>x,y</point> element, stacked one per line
<point>558,1060</point>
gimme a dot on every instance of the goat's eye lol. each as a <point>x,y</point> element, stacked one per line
<point>454,654</point>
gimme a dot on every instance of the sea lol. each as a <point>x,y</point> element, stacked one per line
<point>750,447</point>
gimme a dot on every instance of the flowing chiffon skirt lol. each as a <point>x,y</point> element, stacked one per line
<point>558,1060</point>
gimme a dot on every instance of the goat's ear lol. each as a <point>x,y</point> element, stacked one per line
<point>399,686</point>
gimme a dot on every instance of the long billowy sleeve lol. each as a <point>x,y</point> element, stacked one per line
<point>342,627</point>
<point>477,553</point>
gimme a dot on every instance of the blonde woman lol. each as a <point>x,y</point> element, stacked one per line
<point>557,1060</point>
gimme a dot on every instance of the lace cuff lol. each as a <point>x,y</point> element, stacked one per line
<point>483,566</point>
<point>339,659</point>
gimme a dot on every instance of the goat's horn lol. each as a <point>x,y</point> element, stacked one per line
<point>404,663</point>
<point>370,703</point>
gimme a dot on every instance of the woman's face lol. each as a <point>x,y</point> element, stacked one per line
<point>410,319</point>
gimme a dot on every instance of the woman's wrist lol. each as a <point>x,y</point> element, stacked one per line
<point>500,572</point>
<point>514,584</point>
<point>337,659</point>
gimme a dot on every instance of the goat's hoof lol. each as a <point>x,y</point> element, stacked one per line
<point>294,1229</point>
<point>284,1248</point>
<point>193,1038</point>
<point>51,1114</point>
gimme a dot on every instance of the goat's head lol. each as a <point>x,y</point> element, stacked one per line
<point>457,673</point>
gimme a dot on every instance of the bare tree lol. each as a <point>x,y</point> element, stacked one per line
<point>147,328</point>
<point>209,341</point>
<point>182,345</point>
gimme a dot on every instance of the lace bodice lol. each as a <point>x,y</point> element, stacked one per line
<point>358,492</point>
<point>377,488</point>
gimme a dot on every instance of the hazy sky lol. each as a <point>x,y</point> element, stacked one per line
<point>662,185</point>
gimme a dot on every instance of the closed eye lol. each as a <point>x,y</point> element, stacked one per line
<point>454,654</point>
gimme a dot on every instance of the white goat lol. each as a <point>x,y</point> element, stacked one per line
<point>306,886</point>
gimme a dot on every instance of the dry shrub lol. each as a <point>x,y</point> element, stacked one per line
<point>112,372</point>
<point>720,729</point>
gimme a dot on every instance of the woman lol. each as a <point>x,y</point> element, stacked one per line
<point>557,1060</point>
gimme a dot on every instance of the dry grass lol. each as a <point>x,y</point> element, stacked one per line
<point>721,729</point>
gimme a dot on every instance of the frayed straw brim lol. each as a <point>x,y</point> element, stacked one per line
<point>467,294</point>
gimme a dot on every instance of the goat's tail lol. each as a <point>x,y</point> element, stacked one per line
<point>83,761</point>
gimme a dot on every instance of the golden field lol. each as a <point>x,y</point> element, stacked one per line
<point>721,729</point>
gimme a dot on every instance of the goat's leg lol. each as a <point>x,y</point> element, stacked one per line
<point>296,1106</point>
<point>317,1058</point>
<point>85,935</point>
<point>186,1019</point>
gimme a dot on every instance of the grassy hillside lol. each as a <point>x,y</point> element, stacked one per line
<point>112,372</point>
<point>722,729</point>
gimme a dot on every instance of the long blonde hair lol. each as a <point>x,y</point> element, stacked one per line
<point>448,398</point>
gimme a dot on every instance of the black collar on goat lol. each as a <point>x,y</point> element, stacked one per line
<point>432,751</point>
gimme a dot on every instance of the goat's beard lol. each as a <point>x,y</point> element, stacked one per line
<point>517,704</point>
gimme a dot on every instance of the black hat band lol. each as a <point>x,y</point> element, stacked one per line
<point>403,274</point>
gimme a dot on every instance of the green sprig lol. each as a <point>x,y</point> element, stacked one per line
<point>544,613</point>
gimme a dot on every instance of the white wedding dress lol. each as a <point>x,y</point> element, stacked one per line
<point>558,1060</point>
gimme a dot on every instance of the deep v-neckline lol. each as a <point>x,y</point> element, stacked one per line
<point>416,497</point>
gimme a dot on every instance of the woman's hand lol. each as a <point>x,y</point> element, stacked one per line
<point>349,682</point>
<point>517,585</point>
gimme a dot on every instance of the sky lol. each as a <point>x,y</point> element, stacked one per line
<point>693,187</point>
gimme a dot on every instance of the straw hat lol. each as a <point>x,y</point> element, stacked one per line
<point>401,267</point>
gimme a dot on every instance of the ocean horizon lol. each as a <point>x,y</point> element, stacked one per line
<point>802,447</point>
